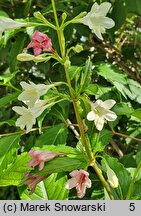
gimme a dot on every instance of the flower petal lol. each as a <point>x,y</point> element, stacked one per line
<point>81,190</point>
<point>107,23</point>
<point>97,32</point>
<point>104,8</point>
<point>108,104</point>
<point>71,183</point>
<point>20,110</point>
<point>110,116</point>
<point>99,122</point>
<point>91,116</point>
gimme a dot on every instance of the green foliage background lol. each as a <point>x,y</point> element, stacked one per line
<point>115,72</point>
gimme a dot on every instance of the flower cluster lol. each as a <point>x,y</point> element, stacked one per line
<point>31,97</point>
<point>39,157</point>
<point>100,112</point>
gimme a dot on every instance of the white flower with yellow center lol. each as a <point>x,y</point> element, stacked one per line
<point>100,112</point>
<point>7,23</point>
<point>32,92</point>
<point>96,19</point>
<point>112,178</point>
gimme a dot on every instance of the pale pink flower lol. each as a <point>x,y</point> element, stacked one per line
<point>40,43</point>
<point>33,180</point>
<point>39,157</point>
<point>80,180</point>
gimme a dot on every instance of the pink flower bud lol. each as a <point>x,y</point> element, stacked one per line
<point>80,180</point>
<point>40,43</point>
<point>39,157</point>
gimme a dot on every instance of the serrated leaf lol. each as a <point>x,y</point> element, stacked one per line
<point>62,164</point>
<point>111,73</point>
<point>14,172</point>
<point>9,144</point>
<point>54,135</point>
<point>60,148</point>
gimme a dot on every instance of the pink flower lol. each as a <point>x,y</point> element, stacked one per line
<point>80,180</point>
<point>33,180</point>
<point>39,157</point>
<point>40,42</point>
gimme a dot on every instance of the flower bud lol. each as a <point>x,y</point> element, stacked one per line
<point>112,178</point>
<point>25,57</point>
<point>78,48</point>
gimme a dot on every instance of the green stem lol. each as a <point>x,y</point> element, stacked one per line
<point>85,142</point>
<point>131,187</point>
<point>99,173</point>
<point>59,31</point>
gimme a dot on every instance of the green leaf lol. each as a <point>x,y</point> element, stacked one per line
<point>7,77</point>
<point>118,8</point>
<point>52,188</point>
<point>61,148</point>
<point>133,6</point>
<point>137,113</point>
<point>138,157</point>
<point>17,47</point>
<point>128,160</point>
<point>54,135</point>
<point>3,13</point>
<point>121,172</point>
<point>74,71</point>
<point>9,122</point>
<point>137,189</point>
<point>57,111</point>
<point>8,146</point>
<point>100,140</point>
<point>111,73</point>
<point>62,164</point>
<point>8,98</point>
<point>123,109</point>
<point>87,74</point>
<point>14,173</point>
<point>97,90</point>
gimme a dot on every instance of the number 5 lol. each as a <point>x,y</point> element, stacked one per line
<point>132,207</point>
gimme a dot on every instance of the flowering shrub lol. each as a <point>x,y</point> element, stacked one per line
<point>70,100</point>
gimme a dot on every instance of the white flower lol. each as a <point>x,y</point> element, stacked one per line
<point>96,19</point>
<point>112,178</point>
<point>7,23</point>
<point>32,92</point>
<point>100,112</point>
<point>29,115</point>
